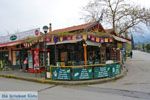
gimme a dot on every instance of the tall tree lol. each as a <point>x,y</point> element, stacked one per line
<point>120,14</point>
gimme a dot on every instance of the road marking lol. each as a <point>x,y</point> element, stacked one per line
<point>121,92</point>
<point>44,89</point>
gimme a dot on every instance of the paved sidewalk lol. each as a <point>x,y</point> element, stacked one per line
<point>40,79</point>
<point>22,74</point>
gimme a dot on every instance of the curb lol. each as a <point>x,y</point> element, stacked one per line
<point>83,82</point>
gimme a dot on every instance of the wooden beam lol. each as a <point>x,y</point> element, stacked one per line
<point>85,54</point>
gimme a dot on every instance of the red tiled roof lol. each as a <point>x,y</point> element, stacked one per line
<point>74,28</point>
<point>11,43</point>
<point>111,31</point>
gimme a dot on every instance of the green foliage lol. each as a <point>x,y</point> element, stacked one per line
<point>65,33</point>
<point>128,48</point>
<point>147,47</point>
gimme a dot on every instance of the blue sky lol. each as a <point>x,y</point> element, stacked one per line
<point>21,15</point>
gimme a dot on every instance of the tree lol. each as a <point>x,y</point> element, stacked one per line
<point>120,14</point>
<point>148,47</point>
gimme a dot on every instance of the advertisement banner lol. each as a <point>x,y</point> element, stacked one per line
<point>36,58</point>
<point>61,73</point>
<point>82,73</point>
<point>20,35</point>
<point>102,72</point>
<point>116,69</point>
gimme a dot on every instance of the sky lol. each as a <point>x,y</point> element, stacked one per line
<point>22,15</point>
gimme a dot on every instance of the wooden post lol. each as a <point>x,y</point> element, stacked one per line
<point>85,54</point>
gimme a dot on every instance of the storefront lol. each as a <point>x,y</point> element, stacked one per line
<point>84,52</point>
<point>13,51</point>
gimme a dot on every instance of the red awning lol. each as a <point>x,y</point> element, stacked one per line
<point>10,44</point>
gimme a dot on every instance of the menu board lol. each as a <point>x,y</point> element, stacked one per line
<point>82,73</point>
<point>102,72</point>
<point>61,73</point>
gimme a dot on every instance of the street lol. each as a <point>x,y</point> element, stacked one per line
<point>134,86</point>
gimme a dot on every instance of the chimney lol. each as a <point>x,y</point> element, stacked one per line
<point>50,27</point>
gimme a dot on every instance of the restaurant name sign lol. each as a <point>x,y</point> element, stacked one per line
<point>20,35</point>
<point>13,37</point>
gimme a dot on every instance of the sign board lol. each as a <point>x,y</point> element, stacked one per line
<point>82,73</point>
<point>20,35</point>
<point>61,73</point>
<point>13,37</point>
<point>116,69</point>
<point>102,72</point>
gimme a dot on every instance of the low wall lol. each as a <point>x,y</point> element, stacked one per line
<point>76,73</point>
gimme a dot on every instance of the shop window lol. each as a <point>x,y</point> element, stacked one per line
<point>17,58</point>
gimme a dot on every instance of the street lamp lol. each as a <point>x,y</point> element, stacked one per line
<point>45,29</point>
<point>55,41</point>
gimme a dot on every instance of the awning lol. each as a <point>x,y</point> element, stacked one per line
<point>129,42</point>
<point>64,42</point>
<point>10,44</point>
<point>93,43</point>
<point>119,39</point>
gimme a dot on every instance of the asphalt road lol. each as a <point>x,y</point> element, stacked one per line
<point>134,86</point>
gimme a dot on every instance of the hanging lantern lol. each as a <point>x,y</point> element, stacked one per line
<point>47,39</point>
<point>79,36</point>
<point>102,40</point>
<point>89,37</point>
<point>61,38</point>
<point>97,39</point>
<point>74,37</point>
<point>24,44</point>
<point>106,39</point>
<point>69,38</point>
<point>84,36</point>
<point>110,40</point>
<point>93,38</point>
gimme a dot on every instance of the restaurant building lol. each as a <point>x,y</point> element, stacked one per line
<point>86,51</point>
<point>15,48</point>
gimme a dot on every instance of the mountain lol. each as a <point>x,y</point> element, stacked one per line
<point>142,37</point>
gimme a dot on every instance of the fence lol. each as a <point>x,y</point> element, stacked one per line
<point>85,72</point>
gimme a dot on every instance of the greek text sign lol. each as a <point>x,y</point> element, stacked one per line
<point>18,95</point>
<point>101,72</point>
<point>82,73</point>
<point>61,73</point>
